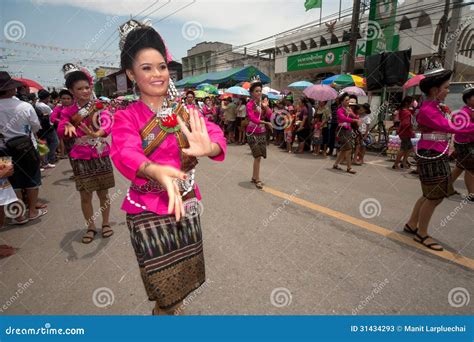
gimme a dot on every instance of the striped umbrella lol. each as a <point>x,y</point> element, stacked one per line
<point>345,80</point>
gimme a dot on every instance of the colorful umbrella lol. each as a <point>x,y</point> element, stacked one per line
<point>208,88</point>
<point>29,83</point>
<point>300,85</point>
<point>413,81</point>
<point>345,80</point>
<point>354,91</point>
<point>272,96</point>
<point>238,91</point>
<point>246,85</point>
<point>200,94</point>
<point>320,92</point>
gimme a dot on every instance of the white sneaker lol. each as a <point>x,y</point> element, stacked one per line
<point>49,166</point>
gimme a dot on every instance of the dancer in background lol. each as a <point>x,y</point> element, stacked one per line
<point>155,144</point>
<point>257,111</point>
<point>464,143</point>
<point>88,125</point>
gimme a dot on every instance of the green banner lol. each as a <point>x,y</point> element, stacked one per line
<point>323,58</point>
<point>316,59</point>
<point>381,35</point>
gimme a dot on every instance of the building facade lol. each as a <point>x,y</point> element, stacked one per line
<point>217,56</point>
<point>317,52</point>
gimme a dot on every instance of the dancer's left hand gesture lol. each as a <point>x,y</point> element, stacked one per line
<point>200,144</point>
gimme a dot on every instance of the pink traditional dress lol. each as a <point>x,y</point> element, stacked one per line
<point>345,117</point>
<point>256,130</point>
<point>464,143</point>
<point>436,126</point>
<point>169,253</point>
<point>89,156</point>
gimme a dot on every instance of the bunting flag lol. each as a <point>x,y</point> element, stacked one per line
<point>310,4</point>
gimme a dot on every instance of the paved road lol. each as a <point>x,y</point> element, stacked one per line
<point>316,241</point>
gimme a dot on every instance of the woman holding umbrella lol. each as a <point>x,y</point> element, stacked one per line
<point>257,111</point>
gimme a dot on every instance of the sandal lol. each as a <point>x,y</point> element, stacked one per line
<point>410,230</point>
<point>41,206</point>
<point>351,171</point>
<point>259,184</point>
<point>253,181</point>
<point>41,212</point>
<point>336,167</point>
<point>87,238</point>
<point>107,233</point>
<point>418,238</point>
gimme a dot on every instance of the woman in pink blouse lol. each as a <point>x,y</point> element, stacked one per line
<point>464,143</point>
<point>155,144</point>
<point>257,111</point>
<point>88,125</point>
<point>435,123</point>
<point>345,119</point>
<point>66,99</point>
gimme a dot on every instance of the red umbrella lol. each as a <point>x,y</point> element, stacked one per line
<point>29,83</point>
<point>413,82</point>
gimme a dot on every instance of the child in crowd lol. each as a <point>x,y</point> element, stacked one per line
<point>317,135</point>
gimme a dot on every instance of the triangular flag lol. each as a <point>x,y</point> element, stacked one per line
<point>310,4</point>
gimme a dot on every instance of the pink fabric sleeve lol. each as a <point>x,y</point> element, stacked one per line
<point>55,114</point>
<point>341,117</point>
<point>64,119</point>
<point>253,115</point>
<point>269,114</point>
<point>436,121</point>
<point>126,150</point>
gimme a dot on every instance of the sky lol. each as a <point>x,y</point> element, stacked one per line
<point>88,28</point>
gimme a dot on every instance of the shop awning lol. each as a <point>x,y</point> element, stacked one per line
<point>228,77</point>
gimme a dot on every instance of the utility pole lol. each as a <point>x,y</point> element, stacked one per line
<point>354,33</point>
<point>444,28</point>
<point>450,43</point>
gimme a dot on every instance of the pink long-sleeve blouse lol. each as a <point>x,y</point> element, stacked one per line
<point>127,155</point>
<point>430,119</point>
<point>466,114</point>
<point>86,151</point>
<point>255,120</point>
<point>343,119</point>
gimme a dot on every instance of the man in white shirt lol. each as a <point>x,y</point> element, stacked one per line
<point>19,119</point>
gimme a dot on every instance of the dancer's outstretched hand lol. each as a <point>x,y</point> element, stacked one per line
<point>200,144</point>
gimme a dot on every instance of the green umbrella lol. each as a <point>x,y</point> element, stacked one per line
<point>208,88</point>
<point>200,94</point>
